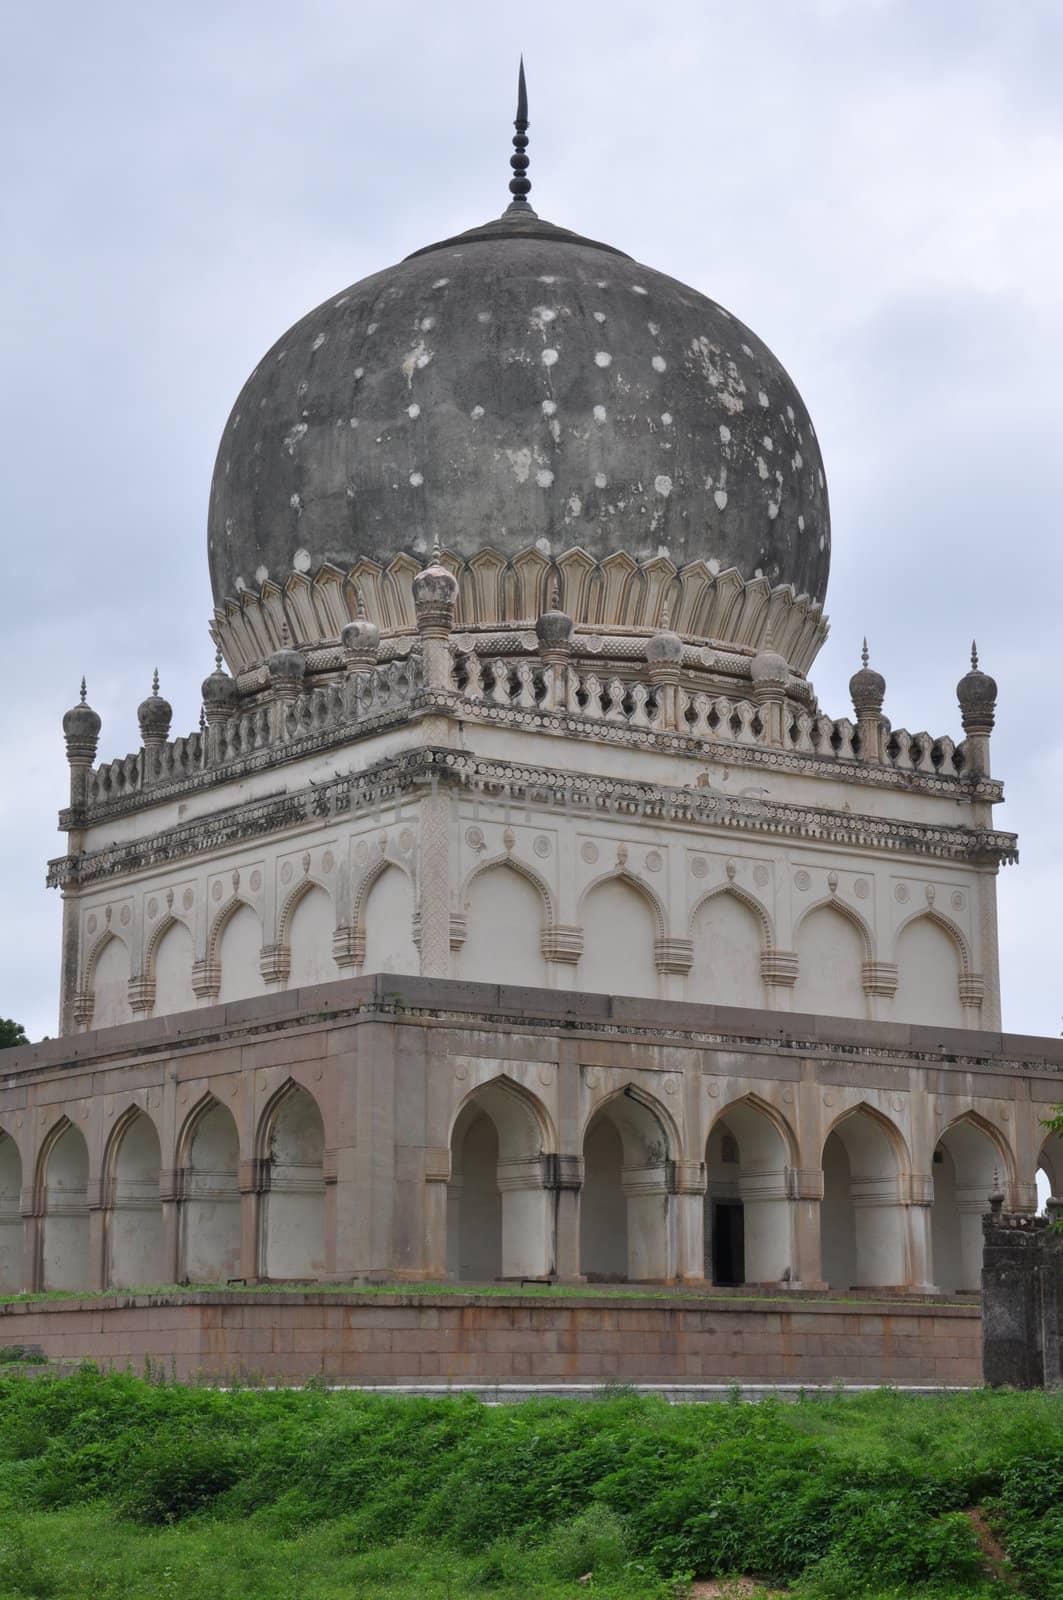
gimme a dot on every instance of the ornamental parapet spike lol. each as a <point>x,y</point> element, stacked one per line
<point>770,674</point>
<point>553,629</point>
<point>664,656</point>
<point>154,716</point>
<point>360,639</point>
<point>868,690</point>
<point>81,731</point>
<point>977,694</point>
<point>435,595</point>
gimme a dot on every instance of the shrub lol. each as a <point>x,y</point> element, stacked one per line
<point>180,1474</point>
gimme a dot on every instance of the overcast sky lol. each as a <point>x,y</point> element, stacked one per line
<point>873,185</point>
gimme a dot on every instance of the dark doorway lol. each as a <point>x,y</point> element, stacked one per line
<point>728,1243</point>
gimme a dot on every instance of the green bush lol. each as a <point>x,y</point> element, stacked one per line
<point>177,1475</point>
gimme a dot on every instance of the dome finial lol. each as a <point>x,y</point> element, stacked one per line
<point>84,691</point>
<point>520,183</point>
<point>217,658</point>
<point>974,655</point>
<point>155,681</point>
<point>865,656</point>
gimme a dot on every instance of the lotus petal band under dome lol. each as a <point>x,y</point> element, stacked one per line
<point>517,388</point>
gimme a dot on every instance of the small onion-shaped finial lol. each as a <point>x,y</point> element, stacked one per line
<point>221,697</point>
<point>867,687</point>
<point>553,628</point>
<point>81,729</point>
<point>977,694</point>
<point>154,715</point>
<point>664,648</point>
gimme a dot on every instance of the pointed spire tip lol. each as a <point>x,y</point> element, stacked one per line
<point>864,654</point>
<point>520,183</point>
<point>974,655</point>
<point>84,691</point>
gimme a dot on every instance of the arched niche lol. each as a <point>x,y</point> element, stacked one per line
<point>12,1258</point>
<point>387,916</point>
<point>292,1215</point>
<point>65,1224</point>
<point>619,930</point>
<point>626,1214</point>
<point>311,926</point>
<point>172,970</point>
<point>831,950</point>
<point>499,1217</point>
<point>110,985</point>
<point>239,955</point>
<point>728,941</point>
<point>748,1221</point>
<point>968,1166</point>
<point>134,1219</point>
<point>210,1203</point>
<point>504,915</point>
<point>929,967</point>
<point>862,1222</point>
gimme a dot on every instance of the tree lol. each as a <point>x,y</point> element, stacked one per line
<point>11,1033</point>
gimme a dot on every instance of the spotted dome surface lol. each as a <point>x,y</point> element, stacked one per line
<point>519,386</point>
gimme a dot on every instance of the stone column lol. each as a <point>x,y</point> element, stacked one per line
<point>221,702</point>
<point>806,1187</point>
<point>253,1179</point>
<point>919,1253</point>
<point>664,655</point>
<point>565,1181</point>
<point>650,1250</point>
<point>977,694</point>
<point>435,595</point>
<point>770,675</point>
<point>527,1219</point>
<point>287,670</point>
<point>554,631</point>
<point>688,1197</point>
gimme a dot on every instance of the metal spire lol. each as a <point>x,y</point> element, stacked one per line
<point>155,682</point>
<point>974,656</point>
<point>520,183</point>
<point>864,654</point>
<point>84,691</point>
<point>217,658</point>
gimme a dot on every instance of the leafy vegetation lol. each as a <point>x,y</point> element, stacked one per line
<point>118,1486</point>
<point>11,1033</point>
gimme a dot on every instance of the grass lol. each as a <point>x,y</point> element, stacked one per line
<point>548,1291</point>
<point>114,1486</point>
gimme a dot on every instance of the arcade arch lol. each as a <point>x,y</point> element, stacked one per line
<point>134,1220</point>
<point>12,1259</point>
<point>626,1214</point>
<point>748,1212</point>
<point>210,1197</point>
<point>65,1222</point>
<point>862,1221</point>
<point>969,1163</point>
<point>499,1219</point>
<point>292,1214</point>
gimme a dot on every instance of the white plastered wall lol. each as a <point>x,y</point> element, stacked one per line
<point>210,1210</point>
<point>65,1234</point>
<point>135,1219</point>
<point>293,1208</point>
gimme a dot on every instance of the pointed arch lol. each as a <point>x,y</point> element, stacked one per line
<point>749,1154</point>
<point>291,903</point>
<point>629,1142</point>
<point>157,935</point>
<point>897,1142</point>
<point>133,1216</point>
<point>290,1146</point>
<point>971,1160</point>
<point>12,1232</point>
<point>765,1109</point>
<point>833,902</point>
<point>744,898</point>
<point>863,1224</point>
<point>946,924</point>
<point>368,880</point>
<point>221,921</point>
<point>508,860</point>
<point>62,1178</point>
<point>96,950</point>
<point>625,875</point>
<point>500,1220</point>
<point>501,1094</point>
<point>209,1213</point>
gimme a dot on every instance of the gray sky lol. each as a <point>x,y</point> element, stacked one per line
<point>873,185</point>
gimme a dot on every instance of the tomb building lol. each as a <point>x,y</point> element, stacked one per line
<point>517,910</point>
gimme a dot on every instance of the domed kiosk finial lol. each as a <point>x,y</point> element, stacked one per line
<point>520,183</point>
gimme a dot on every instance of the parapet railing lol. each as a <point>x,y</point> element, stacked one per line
<point>488,688</point>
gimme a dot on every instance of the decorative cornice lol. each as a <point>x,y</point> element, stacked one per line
<point>411,772</point>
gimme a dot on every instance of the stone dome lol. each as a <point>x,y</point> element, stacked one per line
<point>518,388</point>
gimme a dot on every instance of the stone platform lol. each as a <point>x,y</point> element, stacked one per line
<point>392,1338</point>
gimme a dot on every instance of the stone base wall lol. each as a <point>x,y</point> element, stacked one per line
<point>395,1338</point>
